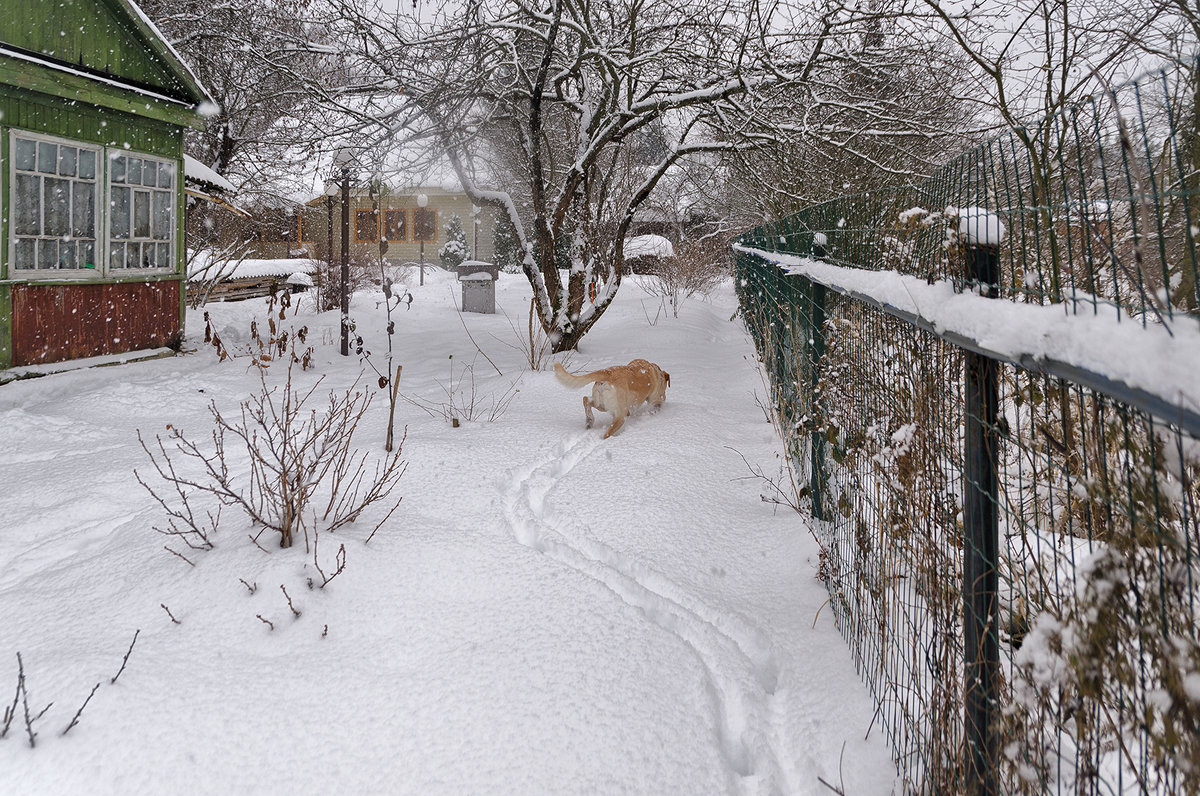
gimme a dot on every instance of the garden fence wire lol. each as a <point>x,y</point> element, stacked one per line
<point>1010,543</point>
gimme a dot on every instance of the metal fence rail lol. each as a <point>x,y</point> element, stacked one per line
<point>1011,547</point>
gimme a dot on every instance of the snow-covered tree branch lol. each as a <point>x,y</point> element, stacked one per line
<point>577,110</point>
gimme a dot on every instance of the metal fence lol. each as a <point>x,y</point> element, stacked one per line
<point>1010,541</point>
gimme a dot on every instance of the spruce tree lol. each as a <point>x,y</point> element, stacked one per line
<point>506,253</point>
<point>455,250</point>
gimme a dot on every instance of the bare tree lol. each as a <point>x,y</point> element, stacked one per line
<point>579,108</point>
<point>883,108</point>
<point>246,53</point>
<point>1035,60</point>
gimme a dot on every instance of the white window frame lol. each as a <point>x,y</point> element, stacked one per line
<point>102,197</point>
<point>111,154</point>
<point>15,273</point>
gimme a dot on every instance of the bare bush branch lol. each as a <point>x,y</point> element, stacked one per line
<point>23,690</point>
<point>295,613</point>
<point>339,559</point>
<point>168,610</point>
<point>180,555</point>
<point>79,712</point>
<point>127,652</point>
<point>10,712</point>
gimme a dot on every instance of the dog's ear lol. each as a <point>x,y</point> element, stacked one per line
<point>666,377</point>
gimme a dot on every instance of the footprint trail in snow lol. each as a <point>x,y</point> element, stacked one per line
<point>741,669</point>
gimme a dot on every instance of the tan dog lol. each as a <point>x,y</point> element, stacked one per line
<point>619,389</point>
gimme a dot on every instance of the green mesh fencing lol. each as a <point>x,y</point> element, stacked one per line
<point>1093,634</point>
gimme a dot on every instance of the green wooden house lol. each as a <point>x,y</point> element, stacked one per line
<point>93,107</point>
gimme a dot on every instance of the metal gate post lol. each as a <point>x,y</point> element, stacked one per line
<point>981,548</point>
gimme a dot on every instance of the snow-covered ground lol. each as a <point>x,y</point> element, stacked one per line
<point>546,613</point>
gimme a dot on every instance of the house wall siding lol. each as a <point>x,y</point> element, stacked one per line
<point>55,322</point>
<point>38,113</point>
<point>86,33</point>
<point>316,232</point>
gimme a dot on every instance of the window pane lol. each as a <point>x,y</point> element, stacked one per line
<point>57,204</point>
<point>116,255</point>
<point>117,172</point>
<point>47,157</point>
<point>66,254</point>
<point>134,173</point>
<point>119,213</point>
<point>165,260</point>
<point>67,156</point>
<point>366,225</point>
<point>28,200</point>
<point>141,214</point>
<point>424,224</point>
<point>87,164</point>
<point>47,253</point>
<point>83,210</point>
<point>25,154</point>
<point>149,173</point>
<point>25,249</point>
<point>88,254</point>
<point>396,226</point>
<point>162,215</point>
<point>166,172</point>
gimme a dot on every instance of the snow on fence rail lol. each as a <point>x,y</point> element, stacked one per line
<point>988,386</point>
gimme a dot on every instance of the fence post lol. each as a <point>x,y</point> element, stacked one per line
<point>816,353</point>
<point>981,547</point>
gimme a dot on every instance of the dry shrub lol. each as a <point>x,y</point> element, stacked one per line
<point>696,269</point>
<point>361,274</point>
<point>302,470</point>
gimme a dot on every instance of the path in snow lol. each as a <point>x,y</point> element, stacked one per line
<point>474,646</point>
<point>741,668</point>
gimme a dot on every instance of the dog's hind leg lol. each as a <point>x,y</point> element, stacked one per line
<point>587,409</point>
<point>618,421</point>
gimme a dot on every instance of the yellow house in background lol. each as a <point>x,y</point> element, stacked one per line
<point>411,232</point>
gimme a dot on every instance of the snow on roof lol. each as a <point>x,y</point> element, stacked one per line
<point>195,170</point>
<point>204,267</point>
<point>648,246</point>
<point>209,106</point>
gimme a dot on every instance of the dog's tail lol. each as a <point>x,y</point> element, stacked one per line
<point>570,379</point>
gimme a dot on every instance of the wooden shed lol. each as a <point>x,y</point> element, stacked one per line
<point>93,107</point>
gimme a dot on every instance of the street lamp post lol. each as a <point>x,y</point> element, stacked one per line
<point>475,231</point>
<point>342,160</point>
<point>422,202</point>
<point>331,190</point>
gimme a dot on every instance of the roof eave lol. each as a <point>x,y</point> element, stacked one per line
<point>157,42</point>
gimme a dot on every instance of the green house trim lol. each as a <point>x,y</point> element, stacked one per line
<point>42,77</point>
